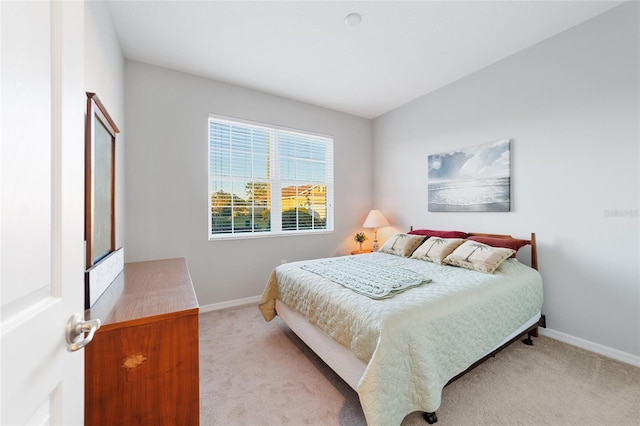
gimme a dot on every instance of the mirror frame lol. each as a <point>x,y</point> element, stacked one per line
<point>97,184</point>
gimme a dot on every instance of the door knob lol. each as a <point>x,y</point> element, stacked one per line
<point>76,327</point>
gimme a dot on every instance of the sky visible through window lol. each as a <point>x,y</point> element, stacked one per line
<point>256,172</point>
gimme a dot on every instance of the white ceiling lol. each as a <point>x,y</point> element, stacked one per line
<point>303,50</point>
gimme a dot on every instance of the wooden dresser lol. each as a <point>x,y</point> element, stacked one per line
<point>142,366</point>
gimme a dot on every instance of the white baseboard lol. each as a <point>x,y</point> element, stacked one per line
<point>591,346</point>
<point>230,304</point>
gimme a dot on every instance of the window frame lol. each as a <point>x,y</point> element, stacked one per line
<point>275,181</point>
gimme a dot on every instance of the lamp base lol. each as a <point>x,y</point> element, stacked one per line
<point>375,245</point>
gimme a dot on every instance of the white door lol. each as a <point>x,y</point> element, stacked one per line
<point>41,209</point>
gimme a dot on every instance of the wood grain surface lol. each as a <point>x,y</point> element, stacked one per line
<point>142,368</point>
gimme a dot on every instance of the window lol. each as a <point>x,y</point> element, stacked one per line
<point>268,180</point>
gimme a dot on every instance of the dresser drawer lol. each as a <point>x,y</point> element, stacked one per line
<point>144,370</point>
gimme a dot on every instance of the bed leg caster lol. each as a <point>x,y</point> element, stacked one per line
<point>430,418</point>
<point>528,340</point>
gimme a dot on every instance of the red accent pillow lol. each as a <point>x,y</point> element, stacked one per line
<point>509,243</point>
<point>441,234</point>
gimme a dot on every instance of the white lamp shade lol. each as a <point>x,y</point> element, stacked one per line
<point>375,219</point>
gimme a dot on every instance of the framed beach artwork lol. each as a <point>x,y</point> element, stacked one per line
<point>474,179</point>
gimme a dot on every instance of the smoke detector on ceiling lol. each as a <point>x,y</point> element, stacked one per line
<point>353,19</point>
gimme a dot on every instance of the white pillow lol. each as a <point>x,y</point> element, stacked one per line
<point>402,244</point>
<point>435,249</point>
<point>478,257</point>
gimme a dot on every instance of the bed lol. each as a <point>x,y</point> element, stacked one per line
<point>399,350</point>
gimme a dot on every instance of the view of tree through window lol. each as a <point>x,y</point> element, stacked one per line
<point>268,180</point>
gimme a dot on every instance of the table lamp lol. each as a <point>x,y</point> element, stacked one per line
<point>375,220</point>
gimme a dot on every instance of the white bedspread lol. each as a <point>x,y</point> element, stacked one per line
<point>416,341</point>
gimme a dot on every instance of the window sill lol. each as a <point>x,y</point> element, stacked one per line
<point>250,235</point>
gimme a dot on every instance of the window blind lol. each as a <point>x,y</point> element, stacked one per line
<point>267,180</point>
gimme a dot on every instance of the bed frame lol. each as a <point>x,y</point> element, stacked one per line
<point>350,368</point>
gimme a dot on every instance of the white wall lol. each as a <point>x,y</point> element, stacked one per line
<point>570,106</point>
<point>104,75</point>
<point>167,192</point>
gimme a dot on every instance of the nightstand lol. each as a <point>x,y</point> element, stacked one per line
<point>361,251</point>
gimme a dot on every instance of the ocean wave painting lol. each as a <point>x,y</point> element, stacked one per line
<point>474,179</point>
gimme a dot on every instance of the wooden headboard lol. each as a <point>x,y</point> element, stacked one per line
<point>531,242</point>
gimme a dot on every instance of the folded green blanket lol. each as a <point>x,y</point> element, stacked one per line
<point>367,278</point>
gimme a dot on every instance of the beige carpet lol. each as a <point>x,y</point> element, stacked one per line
<point>258,373</point>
